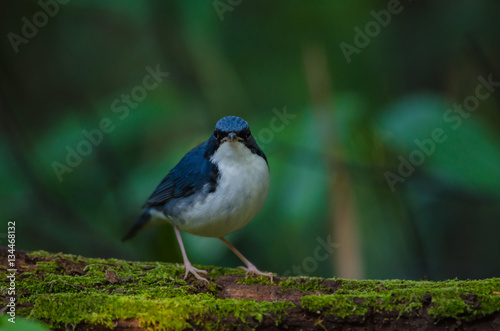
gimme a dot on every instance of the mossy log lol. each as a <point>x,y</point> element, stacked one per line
<point>72,292</point>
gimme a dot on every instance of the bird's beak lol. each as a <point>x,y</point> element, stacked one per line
<point>232,136</point>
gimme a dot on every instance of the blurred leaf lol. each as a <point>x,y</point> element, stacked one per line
<point>469,156</point>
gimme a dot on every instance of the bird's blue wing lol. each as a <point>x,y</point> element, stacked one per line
<point>191,174</point>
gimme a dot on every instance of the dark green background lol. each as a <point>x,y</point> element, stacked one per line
<point>353,121</point>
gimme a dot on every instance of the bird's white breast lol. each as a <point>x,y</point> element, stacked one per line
<point>240,193</point>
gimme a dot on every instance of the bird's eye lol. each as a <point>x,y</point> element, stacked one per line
<point>248,135</point>
<point>216,134</point>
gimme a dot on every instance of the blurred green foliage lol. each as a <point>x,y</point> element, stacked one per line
<point>440,222</point>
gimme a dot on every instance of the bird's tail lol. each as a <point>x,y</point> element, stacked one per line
<point>145,217</point>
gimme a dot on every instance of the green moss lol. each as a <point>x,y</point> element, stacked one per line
<point>251,280</point>
<point>41,254</point>
<point>160,313</point>
<point>219,271</point>
<point>155,294</point>
<point>98,291</point>
<point>304,284</point>
<point>48,267</point>
<point>464,300</point>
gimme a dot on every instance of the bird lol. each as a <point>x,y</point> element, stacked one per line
<point>215,189</point>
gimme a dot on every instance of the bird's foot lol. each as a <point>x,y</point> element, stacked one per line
<point>190,269</point>
<point>252,270</point>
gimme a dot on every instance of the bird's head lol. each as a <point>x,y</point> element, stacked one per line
<point>232,129</point>
<point>233,133</point>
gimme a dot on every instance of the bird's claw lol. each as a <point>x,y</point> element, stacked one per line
<point>252,270</point>
<point>190,269</point>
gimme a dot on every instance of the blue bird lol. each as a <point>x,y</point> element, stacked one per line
<point>215,189</point>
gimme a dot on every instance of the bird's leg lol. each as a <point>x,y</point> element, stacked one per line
<point>187,265</point>
<point>250,269</point>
